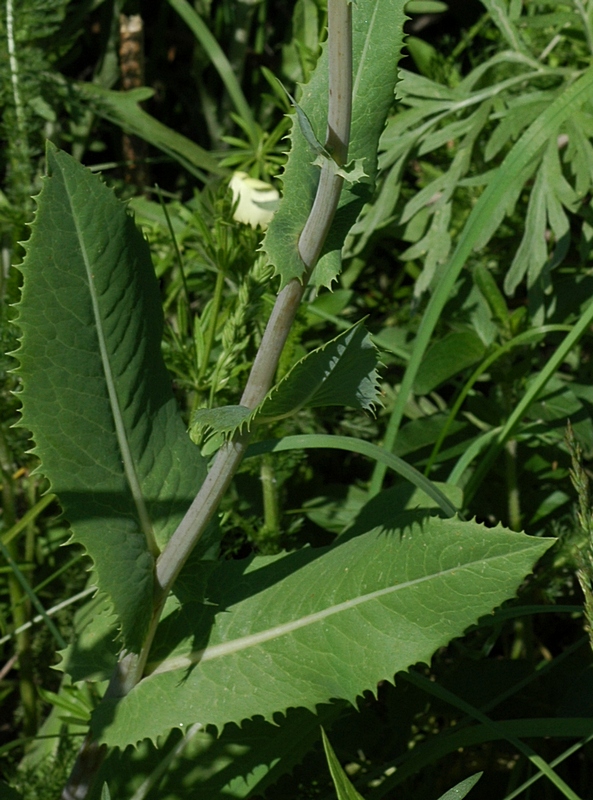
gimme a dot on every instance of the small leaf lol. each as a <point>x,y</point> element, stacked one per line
<point>105,793</point>
<point>446,358</point>
<point>462,789</point>
<point>352,172</point>
<point>344,789</point>
<point>220,420</point>
<point>342,372</point>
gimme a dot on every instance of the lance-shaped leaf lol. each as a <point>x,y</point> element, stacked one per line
<point>377,34</point>
<point>261,635</point>
<point>96,394</point>
<point>342,372</point>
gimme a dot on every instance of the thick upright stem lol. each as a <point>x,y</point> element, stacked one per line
<point>262,373</point>
<point>310,245</point>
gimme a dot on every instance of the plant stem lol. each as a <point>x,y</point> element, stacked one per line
<point>285,308</point>
<point>18,601</point>
<point>214,309</point>
<point>230,455</point>
<point>272,519</point>
<point>514,507</point>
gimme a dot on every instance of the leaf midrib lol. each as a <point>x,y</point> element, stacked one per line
<point>277,631</point>
<point>120,430</point>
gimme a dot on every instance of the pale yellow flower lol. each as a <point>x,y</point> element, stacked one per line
<point>252,195</point>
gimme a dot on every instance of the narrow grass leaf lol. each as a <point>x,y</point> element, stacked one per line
<point>344,789</point>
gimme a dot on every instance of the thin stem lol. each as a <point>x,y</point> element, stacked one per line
<point>513,500</point>
<point>215,308</point>
<point>14,72</point>
<point>272,518</point>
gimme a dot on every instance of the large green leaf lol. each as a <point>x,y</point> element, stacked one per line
<point>96,394</point>
<point>261,635</point>
<point>376,42</point>
<point>241,762</point>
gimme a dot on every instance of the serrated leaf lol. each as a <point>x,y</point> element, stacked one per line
<point>315,624</point>
<point>219,420</point>
<point>377,39</point>
<point>96,394</point>
<point>342,372</point>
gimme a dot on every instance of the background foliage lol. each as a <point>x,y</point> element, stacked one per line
<point>476,77</point>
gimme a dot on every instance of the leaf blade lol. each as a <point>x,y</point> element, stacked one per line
<point>319,624</point>
<point>96,393</point>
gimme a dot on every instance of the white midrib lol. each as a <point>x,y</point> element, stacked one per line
<point>252,640</point>
<point>122,438</point>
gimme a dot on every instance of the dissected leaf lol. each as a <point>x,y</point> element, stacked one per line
<point>377,38</point>
<point>261,635</point>
<point>551,193</point>
<point>96,394</point>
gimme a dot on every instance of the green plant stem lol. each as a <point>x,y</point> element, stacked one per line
<point>522,339</point>
<point>227,460</point>
<point>14,74</point>
<point>214,310</point>
<point>287,303</point>
<point>513,503</point>
<point>19,608</point>
<point>27,518</point>
<point>271,503</point>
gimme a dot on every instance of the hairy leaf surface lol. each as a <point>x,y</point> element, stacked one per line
<point>376,41</point>
<point>261,635</point>
<point>96,394</point>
